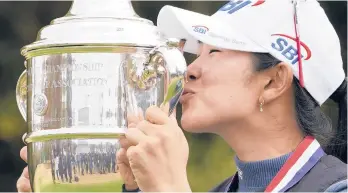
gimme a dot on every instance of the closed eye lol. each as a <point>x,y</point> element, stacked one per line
<point>214,50</point>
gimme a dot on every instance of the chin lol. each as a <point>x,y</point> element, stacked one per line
<point>189,127</point>
<point>194,124</point>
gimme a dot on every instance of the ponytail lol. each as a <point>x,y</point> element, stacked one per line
<point>338,144</point>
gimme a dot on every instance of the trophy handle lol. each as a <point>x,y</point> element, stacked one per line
<point>171,58</point>
<point>21,94</point>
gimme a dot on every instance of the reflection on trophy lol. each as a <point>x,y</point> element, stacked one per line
<point>84,75</point>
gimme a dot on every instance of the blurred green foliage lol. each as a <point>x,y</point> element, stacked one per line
<point>211,160</point>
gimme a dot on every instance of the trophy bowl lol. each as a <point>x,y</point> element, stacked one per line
<point>85,74</point>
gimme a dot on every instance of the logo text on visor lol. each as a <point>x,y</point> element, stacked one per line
<point>204,31</point>
<point>200,29</point>
<point>283,45</point>
<point>236,5</point>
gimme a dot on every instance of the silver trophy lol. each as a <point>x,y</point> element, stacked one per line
<point>85,73</point>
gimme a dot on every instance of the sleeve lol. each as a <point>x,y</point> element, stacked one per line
<point>125,190</point>
<point>340,186</point>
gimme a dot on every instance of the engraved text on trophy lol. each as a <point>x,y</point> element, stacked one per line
<point>74,90</point>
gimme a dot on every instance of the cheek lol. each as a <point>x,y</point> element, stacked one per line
<point>217,105</point>
<point>222,97</point>
<point>230,95</point>
<point>230,102</point>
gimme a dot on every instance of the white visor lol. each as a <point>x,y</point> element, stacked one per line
<point>193,27</point>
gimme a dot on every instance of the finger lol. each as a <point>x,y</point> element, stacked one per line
<point>132,125</point>
<point>148,128</point>
<point>23,153</point>
<point>134,136</point>
<point>156,116</point>
<point>133,155</point>
<point>135,117</point>
<point>137,159</point>
<point>122,157</point>
<point>124,142</point>
<point>23,184</point>
<point>132,119</point>
<point>173,116</point>
<point>25,172</point>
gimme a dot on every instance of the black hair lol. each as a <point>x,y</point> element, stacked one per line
<point>311,119</point>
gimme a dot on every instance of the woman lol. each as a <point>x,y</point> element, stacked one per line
<point>248,86</point>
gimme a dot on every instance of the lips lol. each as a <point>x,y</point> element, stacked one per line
<point>188,91</point>
<point>185,92</point>
<point>186,95</point>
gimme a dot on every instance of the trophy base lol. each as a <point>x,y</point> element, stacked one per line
<point>74,165</point>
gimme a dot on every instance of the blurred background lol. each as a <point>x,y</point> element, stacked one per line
<point>210,158</point>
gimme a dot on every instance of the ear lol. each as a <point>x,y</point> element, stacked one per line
<point>279,80</point>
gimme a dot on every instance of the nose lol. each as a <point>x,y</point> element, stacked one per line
<point>193,71</point>
<point>190,76</point>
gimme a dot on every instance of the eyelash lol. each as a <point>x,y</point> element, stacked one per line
<point>212,51</point>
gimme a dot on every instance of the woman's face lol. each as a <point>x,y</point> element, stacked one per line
<point>220,90</point>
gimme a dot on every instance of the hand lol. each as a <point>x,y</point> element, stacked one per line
<point>23,183</point>
<point>122,159</point>
<point>159,154</point>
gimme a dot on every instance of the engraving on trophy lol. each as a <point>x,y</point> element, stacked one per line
<point>119,29</point>
<point>73,66</point>
<point>82,82</point>
<point>46,123</point>
<point>40,104</point>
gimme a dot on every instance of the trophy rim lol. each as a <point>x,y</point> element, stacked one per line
<point>89,29</point>
<point>78,48</point>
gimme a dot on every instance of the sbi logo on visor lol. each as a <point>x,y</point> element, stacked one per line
<point>236,5</point>
<point>286,45</point>
<point>200,29</point>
